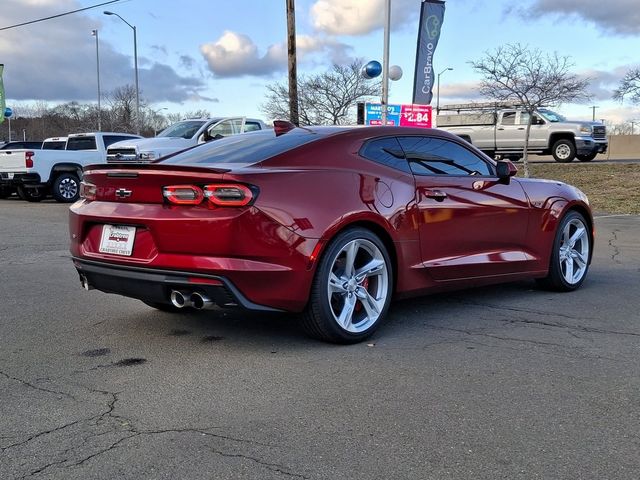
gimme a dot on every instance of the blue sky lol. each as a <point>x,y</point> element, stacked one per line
<point>218,55</point>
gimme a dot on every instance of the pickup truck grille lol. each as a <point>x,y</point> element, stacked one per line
<point>121,155</point>
<point>599,132</point>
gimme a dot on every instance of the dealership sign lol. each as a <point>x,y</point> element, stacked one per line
<point>399,115</point>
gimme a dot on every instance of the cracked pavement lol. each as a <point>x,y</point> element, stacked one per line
<point>500,382</point>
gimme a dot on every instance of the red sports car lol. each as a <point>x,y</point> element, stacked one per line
<point>330,221</point>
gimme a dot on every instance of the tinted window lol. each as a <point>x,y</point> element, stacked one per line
<point>437,156</point>
<point>54,145</point>
<point>110,139</point>
<point>249,148</point>
<point>509,118</point>
<point>186,129</point>
<point>81,143</point>
<point>251,126</point>
<point>386,151</point>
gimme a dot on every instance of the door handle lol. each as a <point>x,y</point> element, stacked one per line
<point>501,128</point>
<point>521,128</point>
<point>437,195</point>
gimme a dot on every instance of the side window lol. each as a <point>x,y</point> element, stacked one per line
<point>386,151</point>
<point>251,126</point>
<point>81,143</point>
<point>110,139</point>
<point>223,128</point>
<point>437,156</point>
<point>524,118</point>
<point>509,118</point>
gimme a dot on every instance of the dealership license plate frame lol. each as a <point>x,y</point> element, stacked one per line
<point>117,240</point>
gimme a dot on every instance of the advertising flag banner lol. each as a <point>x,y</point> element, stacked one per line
<point>2,102</point>
<point>431,18</point>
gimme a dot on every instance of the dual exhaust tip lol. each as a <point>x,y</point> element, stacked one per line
<point>197,300</point>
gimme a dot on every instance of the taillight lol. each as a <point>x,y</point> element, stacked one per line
<point>87,191</point>
<point>28,159</point>
<point>183,194</point>
<point>228,195</point>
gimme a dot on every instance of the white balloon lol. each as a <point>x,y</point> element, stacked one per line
<point>395,72</point>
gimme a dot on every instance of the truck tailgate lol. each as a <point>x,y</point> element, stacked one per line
<point>12,160</point>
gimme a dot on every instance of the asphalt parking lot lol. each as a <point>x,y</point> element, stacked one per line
<point>501,382</point>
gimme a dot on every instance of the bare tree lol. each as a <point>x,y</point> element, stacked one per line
<point>323,99</point>
<point>629,87</point>
<point>527,77</point>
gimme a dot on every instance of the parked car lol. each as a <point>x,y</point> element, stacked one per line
<point>329,221</point>
<point>19,145</point>
<point>503,132</point>
<point>36,173</point>
<point>181,135</point>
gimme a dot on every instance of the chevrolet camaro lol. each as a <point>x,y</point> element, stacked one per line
<point>332,222</point>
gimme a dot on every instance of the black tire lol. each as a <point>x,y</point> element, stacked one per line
<point>166,307</point>
<point>564,151</point>
<point>6,192</point>
<point>588,157</point>
<point>31,194</point>
<point>66,187</point>
<point>556,278</point>
<point>319,319</point>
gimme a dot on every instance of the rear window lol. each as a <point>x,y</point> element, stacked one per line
<point>55,145</point>
<point>248,148</point>
<point>81,143</point>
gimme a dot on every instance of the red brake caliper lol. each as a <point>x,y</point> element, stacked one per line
<point>365,285</point>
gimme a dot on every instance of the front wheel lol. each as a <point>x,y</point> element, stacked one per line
<point>66,188</point>
<point>352,289</point>
<point>564,151</point>
<point>570,256</point>
<point>588,157</point>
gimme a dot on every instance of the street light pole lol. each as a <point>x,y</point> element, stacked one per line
<point>385,62</point>
<point>135,61</point>
<point>438,90</point>
<point>95,34</point>
<point>594,112</point>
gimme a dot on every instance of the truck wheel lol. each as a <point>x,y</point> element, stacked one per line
<point>31,194</point>
<point>588,157</point>
<point>66,188</point>
<point>564,151</point>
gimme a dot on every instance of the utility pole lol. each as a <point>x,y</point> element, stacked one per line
<point>594,112</point>
<point>384,101</point>
<point>95,34</point>
<point>293,68</point>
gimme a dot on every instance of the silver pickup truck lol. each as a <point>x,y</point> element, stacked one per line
<point>502,132</point>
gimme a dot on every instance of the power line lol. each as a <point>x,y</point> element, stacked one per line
<point>58,15</point>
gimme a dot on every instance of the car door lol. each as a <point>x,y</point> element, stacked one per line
<point>538,133</point>
<point>470,224</point>
<point>509,135</point>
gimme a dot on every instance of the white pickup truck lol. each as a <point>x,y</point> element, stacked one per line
<point>181,135</point>
<point>502,132</point>
<point>36,173</point>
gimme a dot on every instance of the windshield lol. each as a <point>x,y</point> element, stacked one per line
<point>551,116</point>
<point>186,129</point>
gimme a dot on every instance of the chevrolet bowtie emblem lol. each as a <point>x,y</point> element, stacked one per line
<point>123,193</point>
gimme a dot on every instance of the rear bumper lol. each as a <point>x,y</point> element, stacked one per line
<point>155,286</point>
<point>19,179</point>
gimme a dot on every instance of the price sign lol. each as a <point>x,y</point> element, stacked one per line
<point>405,115</point>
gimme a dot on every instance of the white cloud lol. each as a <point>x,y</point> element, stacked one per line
<point>618,17</point>
<point>359,17</point>
<point>235,54</point>
<point>55,60</point>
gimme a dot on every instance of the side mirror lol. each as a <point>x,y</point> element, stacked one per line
<point>505,170</point>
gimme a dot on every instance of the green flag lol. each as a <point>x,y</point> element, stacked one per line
<point>2,103</point>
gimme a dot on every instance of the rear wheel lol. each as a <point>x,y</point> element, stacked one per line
<point>66,188</point>
<point>5,192</point>
<point>570,256</point>
<point>352,289</point>
<point>564,151</point>
<point>588,157</point>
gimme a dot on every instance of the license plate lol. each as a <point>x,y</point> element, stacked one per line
<point>117,239</point>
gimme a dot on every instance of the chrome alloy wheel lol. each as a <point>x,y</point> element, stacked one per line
<point>68,188</point>
<point>574,251</point>
<point>358,285</point>
<point>563,151</point>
